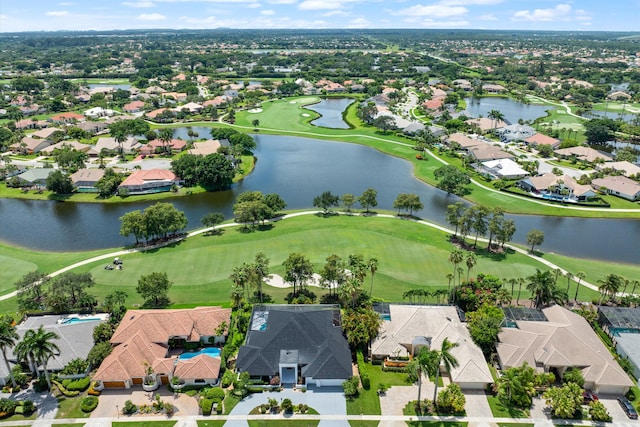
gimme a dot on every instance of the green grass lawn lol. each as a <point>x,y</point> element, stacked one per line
<point>69,407</point>
<point>368,401</point>
<point>499,410</point>
<point>411,256</point>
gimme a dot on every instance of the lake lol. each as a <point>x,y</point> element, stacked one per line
<point>513,110</point>
<point>298,169</point>
<point>331,110</point>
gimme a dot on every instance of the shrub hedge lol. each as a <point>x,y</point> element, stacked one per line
<point>89,403</point>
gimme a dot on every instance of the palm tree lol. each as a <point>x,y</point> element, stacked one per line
<point>543,287</point>
<point>456,257</point>
<point>450,277</point>
<point>609,286</point>
<point>580,275</point>
<point>372,263</point>
<point>39,344</point>
<point>497,116</point>
<point>520,283</point>
<point>8,338</point>
<point>422,362</point>
<point>166,135</point>
<point>635,283</point>
<point>569,276</point>
<point>471,261</point>
<point>445,356</point>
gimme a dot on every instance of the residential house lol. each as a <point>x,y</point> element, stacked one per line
<point>93,127</point>
<point>157,146</point>
<point>485,152</point>
<point>551,186</point>
<point>192,107</point>
<point>493,88</point>
<point>68,117</point>
<point>486,124</point>
<point>584,154</point>
<point>98,112</point>
<point>408,328</point>
<point>515,132</point>
<point>299,344</point>
<point>75,339</point>
<point>133,107</point>
<point>85,180</point>
<point>75,145</point>
<point>504,169</point>
<point>111,145</point>
<point>462,140</point>
<point>155,338</point>
<point>35,177</point>
<point>620,186</point>
<point>203,148</point>
<point>149,181</point>
<point>30,145</point>
<point>622,324</point>
<point>564,341</point>
<point>628,169</point>
<point>31,124</point>
<point>619,95</point>
<point>45,133</point>
<point>542,139</point>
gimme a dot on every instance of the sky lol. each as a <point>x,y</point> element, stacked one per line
<point>586,15</point>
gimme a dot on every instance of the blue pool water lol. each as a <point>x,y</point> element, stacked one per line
<point>77,320</point>
<point>209,351</point>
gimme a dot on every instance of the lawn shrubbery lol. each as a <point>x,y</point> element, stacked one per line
<point>88,404</point>
<point>362,368</point>
<point>350,387</point>
<point>80,384</point>
<point>64,391</point>
<point>129,408</point>
<point>205,406</point>
<point>9,407</point>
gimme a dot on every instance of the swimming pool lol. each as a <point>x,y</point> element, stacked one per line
<point>79,320</point>
<point>209,351</point>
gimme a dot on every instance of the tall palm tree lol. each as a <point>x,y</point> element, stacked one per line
<point>372,263</point>
<point>39,343</point>
<point>543,287</point>
<point>8,338</point>
<point>580,275</point>
<point>424,361</point>
<point>165,135</point>
<point>610,286</point>
<point>449,360</point>
<point>634,283</point>
<point>456,257</point>
<point>521,282</point>
<point>497,116</point>
<point>470,261</point>
<point>569,276</point>
<point>450,277</point>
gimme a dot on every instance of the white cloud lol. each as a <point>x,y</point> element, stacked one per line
<point>151,17</point>
<point>335,13</point>
<point>282,1</point>
<point>432,11</point>
<point>254,5</point>
<point>139,4</point>
<point>560,12</point>
<point>267,12</point>
<point>320,4</point>
<point>57,13</point>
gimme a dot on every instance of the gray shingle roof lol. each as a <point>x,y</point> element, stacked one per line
<point>323,352</point>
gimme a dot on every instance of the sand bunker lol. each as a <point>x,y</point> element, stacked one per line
<point>277,281</point>
<point>256,110</point>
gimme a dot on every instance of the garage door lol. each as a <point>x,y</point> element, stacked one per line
<point>137,381</point>
<point>114,384</point>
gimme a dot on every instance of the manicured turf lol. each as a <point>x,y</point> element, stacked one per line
<point>499,410</point>
<point>436,424</point>
<point>410,255</point>
<point>368,401</point>
<point>360,423</point>
<point>212,423</point>
<point>288,423</point>
<point>143,424</point>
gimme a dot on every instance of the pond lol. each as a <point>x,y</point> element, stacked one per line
<point>513,110</point>
<point>298,169</point>
<point>614,115</point>
<point>331,110</point>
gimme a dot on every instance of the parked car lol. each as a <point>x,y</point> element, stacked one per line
<point>588,397</point>
<point>628,408</point>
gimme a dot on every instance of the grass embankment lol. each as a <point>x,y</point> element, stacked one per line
<point>288,423</point>
<point>289,117</point>
<point>411,256</point>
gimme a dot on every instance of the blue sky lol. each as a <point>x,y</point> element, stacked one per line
<point>605,15</point>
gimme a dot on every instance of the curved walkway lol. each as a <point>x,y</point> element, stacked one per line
<point>292,215</point>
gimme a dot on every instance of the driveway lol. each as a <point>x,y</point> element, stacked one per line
<point>112,399</point>
<point>325,400</point>
<point>615,410</point>
<point>477,404</point>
